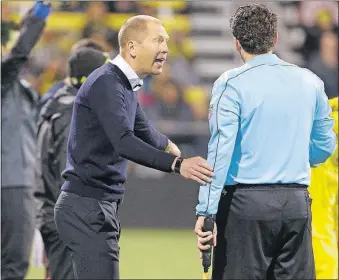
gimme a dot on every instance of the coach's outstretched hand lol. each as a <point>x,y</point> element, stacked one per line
<point>196,169</point>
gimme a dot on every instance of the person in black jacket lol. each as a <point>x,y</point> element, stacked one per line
<point>53,128</point>
<point>18,130</point>
<point>83,43</point>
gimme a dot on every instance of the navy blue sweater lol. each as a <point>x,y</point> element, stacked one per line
<point>108,127</point>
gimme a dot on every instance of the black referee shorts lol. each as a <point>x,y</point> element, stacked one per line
<point>264,232</point>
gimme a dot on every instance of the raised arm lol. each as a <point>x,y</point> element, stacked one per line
<point>31,31</point>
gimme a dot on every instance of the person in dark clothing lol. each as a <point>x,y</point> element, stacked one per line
<point>108,128</point>
<point>51,91</point>
<point>53,130</point>
<point>83,43</point>
<point>18,130</point>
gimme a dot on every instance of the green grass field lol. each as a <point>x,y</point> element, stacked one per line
<point>154,254</point>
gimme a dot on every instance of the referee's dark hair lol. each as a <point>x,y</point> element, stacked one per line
<point>254,26</point>
<point>82,63</point>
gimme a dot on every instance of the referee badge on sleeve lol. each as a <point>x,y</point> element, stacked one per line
<point>210,112</point>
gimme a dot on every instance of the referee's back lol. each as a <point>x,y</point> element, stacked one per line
<point>270,122</point>
<point>283,125</point>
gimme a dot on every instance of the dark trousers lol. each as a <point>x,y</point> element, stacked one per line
<point>58,256</point>
<point>17,231</point>
<point>90,229</point>
<point>264,233</point>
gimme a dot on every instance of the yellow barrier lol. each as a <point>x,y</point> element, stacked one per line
<point>175,5</point>
<point>76,21</point>
<point>324,190</point>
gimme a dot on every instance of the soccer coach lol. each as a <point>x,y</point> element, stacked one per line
<point>108,127</point>
<point>270,122</point>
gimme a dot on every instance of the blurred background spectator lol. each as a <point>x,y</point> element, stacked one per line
<point>96,27</point>
<point>317,17</point>
<point>325,62</point>
<point>170,104</point>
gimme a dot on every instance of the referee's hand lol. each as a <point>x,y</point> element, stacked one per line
<point>204,237</point>
<point>196,169</point>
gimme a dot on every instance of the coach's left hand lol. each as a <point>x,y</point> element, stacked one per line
<point>203,237</point>
<point>173,149</point>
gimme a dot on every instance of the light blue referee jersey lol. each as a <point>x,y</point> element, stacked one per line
<point>269,122</point>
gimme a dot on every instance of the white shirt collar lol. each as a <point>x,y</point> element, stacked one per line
<point>134,80</point>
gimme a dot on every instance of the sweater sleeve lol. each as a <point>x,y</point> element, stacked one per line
<point>146,132</point>
<point>107,100</point>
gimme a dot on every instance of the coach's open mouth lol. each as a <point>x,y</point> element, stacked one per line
<point>160,60</point>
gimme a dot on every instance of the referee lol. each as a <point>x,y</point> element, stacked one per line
<point>270,122</point>
<point>108,127</point>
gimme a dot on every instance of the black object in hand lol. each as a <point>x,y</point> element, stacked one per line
<point>206,254</point>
